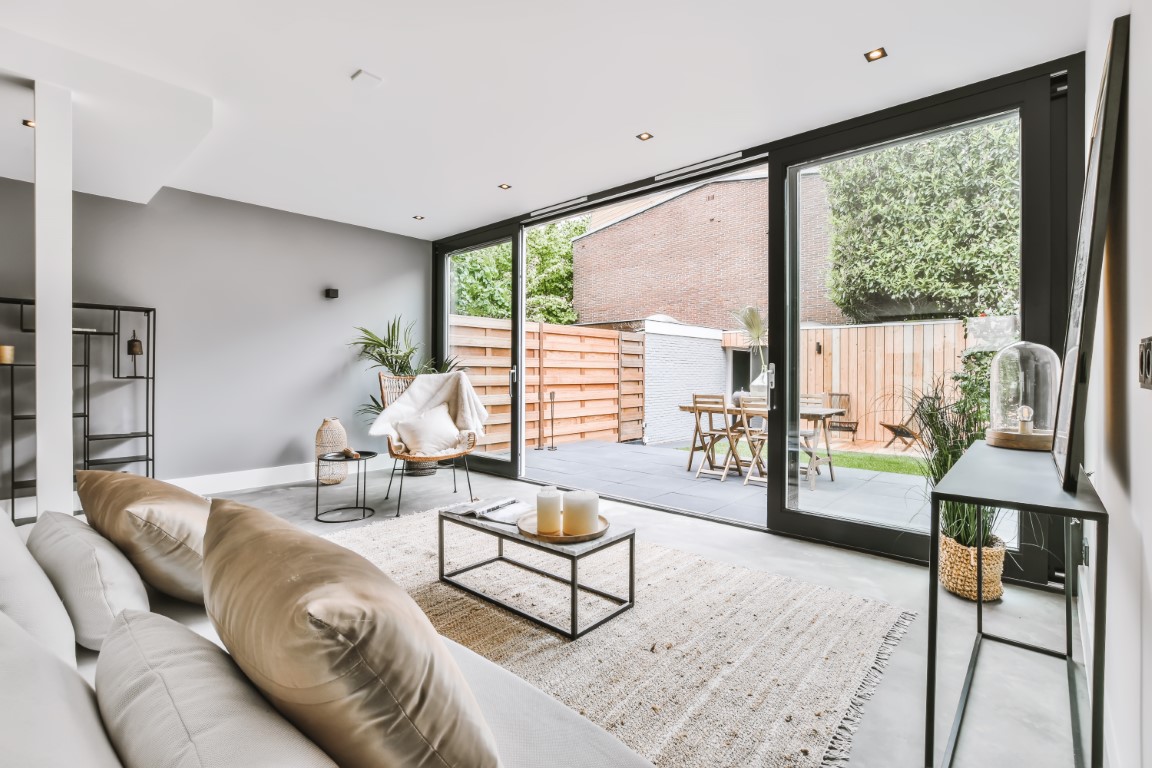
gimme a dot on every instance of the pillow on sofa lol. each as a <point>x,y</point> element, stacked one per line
<point>48,715</point>
<point>158,526</point>
<point>171,698</point>
<point>28,598</point>
<point>338,647</point>
<point>93,578</point>
<point>431,433</point>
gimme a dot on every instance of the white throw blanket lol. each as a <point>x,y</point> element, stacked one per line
<point>427,391</point>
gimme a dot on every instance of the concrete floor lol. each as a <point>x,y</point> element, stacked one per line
<point>1018,714</point>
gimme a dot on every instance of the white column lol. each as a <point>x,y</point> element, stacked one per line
<point>54,397</point>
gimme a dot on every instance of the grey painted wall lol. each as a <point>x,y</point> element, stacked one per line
<point>250,354</point>
<point>675,367</point>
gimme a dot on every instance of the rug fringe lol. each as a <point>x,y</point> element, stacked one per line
<point>839,748</point>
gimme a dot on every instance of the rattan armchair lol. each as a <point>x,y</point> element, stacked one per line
<point>391,387</point>
<point>457,453</point>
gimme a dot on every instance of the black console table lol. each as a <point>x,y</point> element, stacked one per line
<point>1025,481</point>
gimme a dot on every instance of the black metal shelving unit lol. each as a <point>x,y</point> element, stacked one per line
<point>137,438</point>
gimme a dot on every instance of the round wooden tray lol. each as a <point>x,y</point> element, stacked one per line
<point>1037,441</point>
<point>527,526</point>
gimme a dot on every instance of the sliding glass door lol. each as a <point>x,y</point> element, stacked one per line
<point>907,251</point>
<point>482,334</point>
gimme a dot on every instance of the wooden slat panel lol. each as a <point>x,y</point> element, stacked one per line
<point>881,367</point>
<point>596,374</point>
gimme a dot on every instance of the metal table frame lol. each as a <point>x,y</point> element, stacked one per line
<point>574,553</point>
<point>1025,481</point>
<point>360,501</point>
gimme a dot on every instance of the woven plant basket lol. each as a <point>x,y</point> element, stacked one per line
<point>331,438</point>
<point>958,568</point>
<point>391,387</point>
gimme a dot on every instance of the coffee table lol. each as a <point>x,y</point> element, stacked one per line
<point>573,553</point>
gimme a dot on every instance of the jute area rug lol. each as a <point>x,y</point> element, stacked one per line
<point>716,665</point>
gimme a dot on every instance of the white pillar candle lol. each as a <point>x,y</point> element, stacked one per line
<point>581,512</point>
<point>548,505</point>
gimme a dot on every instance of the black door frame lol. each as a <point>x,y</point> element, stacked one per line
<point>1050,100</point>
<point>442,250</point>
<point>1062,80</point>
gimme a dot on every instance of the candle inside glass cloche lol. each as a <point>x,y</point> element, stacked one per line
<point>1024,384</point>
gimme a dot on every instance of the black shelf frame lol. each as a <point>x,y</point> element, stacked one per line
<point>1024,481</point>
<point>133,433</point>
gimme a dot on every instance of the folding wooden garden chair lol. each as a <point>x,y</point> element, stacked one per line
<point>844,423</point>
<point>906,432</point>
<point>712,425</point>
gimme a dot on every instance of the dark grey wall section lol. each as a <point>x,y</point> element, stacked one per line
<point>251,356</point>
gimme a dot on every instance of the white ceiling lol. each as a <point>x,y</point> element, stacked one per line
<point>130,131</point>
<point>543,96</point>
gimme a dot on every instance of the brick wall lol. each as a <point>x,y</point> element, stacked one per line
<point>675,367</point>
<point>815,245</point>
<point>698,256</point>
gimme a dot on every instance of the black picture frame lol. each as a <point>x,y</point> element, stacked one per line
<point>1068,442</point>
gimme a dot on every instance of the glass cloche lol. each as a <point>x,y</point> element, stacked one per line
<point>1025,381</point>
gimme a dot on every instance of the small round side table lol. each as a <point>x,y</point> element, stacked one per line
<point>360,502</point>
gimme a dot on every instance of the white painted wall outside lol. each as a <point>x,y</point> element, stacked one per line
<point>679,360</point>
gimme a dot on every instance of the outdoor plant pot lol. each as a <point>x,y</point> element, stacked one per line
<point>958,568</point>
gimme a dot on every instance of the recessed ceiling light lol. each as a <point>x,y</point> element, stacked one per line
<point>875,55</point>
<point>364,79</point>
<point>644,136</point>
<point>505,186</point>
<point>29,123</point>
<point>418,218</point>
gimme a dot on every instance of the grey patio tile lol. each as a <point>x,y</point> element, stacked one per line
<point>692,503</point>
<point>657,474</point>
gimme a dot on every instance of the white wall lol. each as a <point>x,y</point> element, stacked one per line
<point>53,259</point>
<point>679,360</point>
<point>1119,436</point>
<point>250,356</point>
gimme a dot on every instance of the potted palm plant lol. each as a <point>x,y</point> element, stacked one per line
<point>952,415</point>
<point>755,324</point>
<point>399,354</point>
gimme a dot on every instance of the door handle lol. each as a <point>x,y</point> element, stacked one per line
<point>512,381</point>
<point>771,386</point>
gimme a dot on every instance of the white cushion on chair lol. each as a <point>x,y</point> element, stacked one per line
<point>432,432</point>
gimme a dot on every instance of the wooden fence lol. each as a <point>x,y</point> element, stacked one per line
<point>597,376</point>
<point>879,366</point>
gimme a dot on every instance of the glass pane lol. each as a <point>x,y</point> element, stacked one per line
<point>909,280</point>
<point>480,335</point>
<point>630,314</point>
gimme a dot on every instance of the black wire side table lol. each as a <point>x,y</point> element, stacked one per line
<point>1025,481</point>
<point>361,500</point>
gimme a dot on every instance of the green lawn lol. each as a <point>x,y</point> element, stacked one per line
<point>877,462</point>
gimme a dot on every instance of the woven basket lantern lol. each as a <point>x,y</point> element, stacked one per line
<point>331,438</point>
<point>958,568</point>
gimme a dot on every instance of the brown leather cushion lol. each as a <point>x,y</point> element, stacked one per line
<point>338,647</point>
<point>158,526</point>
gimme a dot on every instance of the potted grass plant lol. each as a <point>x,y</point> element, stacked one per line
<point>953,414</point>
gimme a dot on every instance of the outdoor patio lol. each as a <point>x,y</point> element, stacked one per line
<point>657,474</point>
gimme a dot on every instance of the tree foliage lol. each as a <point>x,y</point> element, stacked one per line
<point>928,228</point>
<point>482,279</point>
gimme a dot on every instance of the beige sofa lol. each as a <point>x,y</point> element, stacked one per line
<point>48,715</point>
